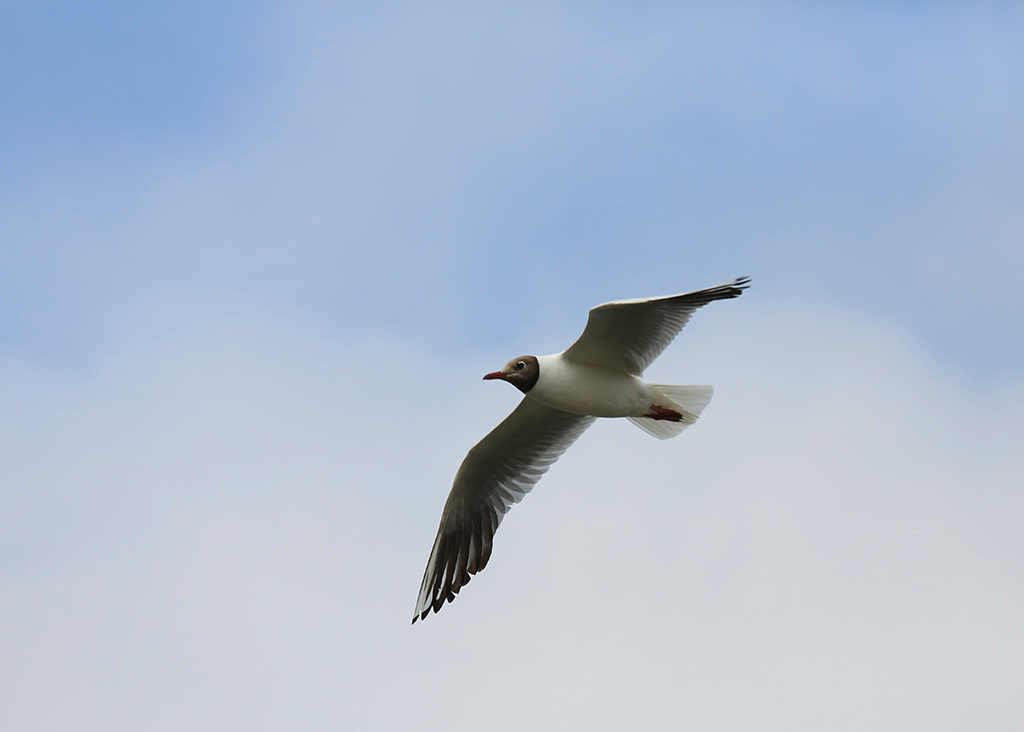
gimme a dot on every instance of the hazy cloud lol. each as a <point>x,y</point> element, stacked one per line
<point>226,529</point>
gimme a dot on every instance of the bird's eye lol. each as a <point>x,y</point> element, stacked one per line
<point>521,365</point>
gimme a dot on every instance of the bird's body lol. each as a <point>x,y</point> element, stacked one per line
<point>581,388</point>
<point>598,376</point>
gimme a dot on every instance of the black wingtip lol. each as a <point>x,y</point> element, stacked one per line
<point>726,291</point>
<point>729,290</point>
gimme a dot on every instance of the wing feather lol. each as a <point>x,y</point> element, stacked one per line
<point>496,474</point>
<point>629,334</point>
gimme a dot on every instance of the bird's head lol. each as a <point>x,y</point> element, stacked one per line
<point>521,372</point>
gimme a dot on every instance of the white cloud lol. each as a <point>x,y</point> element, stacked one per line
<point>225,530</point>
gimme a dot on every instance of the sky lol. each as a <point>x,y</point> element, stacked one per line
<point>255,257</point>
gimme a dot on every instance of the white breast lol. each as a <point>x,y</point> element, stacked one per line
<point>585,389</point>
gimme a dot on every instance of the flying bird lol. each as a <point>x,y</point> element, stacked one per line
<point>597,376</point>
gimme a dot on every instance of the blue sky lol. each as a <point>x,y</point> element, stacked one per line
<point>255,257</point>
<point>868,156</point>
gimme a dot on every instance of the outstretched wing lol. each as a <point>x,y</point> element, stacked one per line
<point>497,472</point>
<point>628,335</point>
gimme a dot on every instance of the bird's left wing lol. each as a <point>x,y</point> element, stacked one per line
<point>629,334</point>
<point>497,473</point>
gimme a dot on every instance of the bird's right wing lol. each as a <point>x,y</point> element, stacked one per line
<point>497,473</point>
<point>628,335</point>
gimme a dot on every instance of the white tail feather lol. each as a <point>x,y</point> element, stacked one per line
<point>690,401</point>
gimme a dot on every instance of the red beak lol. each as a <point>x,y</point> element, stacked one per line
<point>494,375</point>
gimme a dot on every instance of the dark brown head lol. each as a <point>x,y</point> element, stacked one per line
<point>521,372</point>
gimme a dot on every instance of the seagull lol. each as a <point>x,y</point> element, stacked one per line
<point>597,376</point>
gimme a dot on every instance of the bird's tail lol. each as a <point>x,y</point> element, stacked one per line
<point>689,401</point>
